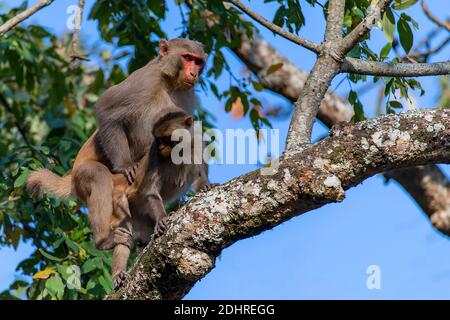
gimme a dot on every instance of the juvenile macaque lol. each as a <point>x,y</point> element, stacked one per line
<point>158,182</point>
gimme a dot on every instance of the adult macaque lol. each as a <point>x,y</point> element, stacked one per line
<point>127,112</point>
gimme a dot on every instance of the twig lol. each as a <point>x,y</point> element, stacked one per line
<point>9,200</point>
<point>376,68</point>
<point>366,25</point>
<point>75,55</point>
<point>430,16</point>
<point>271,26</point>
<point>11,23</point>
<point>425,55</point>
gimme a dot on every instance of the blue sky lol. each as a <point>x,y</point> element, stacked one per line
<point>323,254</point>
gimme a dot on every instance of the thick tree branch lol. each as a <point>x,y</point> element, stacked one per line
<point>252,203</point>
<point>443,24</point>
<point>431,189</point>
<point>375,68</point>
<point>374,15</point>
<point>335,21</point>
<point>319,80</point>
<point>273,27</point>
<point>11,23</point>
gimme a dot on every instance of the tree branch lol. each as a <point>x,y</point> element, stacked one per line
<point>278,30</point>
<point>335,20</point>
<point>375,13</point>
<point>198,232</point>
<point>430,16</point>
<point>431,189</point>
<point>375,68</point>
<point>319,79</point>
<point>289,81</point>
<point>258,55</point>
<point>74,50</point>
<point>11,23</point>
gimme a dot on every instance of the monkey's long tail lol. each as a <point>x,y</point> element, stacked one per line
<point>43,180</point>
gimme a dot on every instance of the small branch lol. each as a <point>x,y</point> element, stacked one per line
<point>430,16</point>
<point>74,50</point>
<point>11,23</point>
<point>375,68</point>
<point>271,26</point>
<point>9,200</point>
<point>375,14</point>
<point>425,55</point>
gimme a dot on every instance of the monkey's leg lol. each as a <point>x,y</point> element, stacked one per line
<point>94,185</point>
<point>122,239</point>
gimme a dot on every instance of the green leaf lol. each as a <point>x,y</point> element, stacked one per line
<point>275,67</point>
<point>388,25</point>
<point>71,245</point>
<point>385,50</point>
<point>258,86</point>
<point>91,265</point>
<point>22,178</point>
<point>395,105</point>
<point>49,256</point>
<point>403,4</point>
<point>106,283</point>
<point>405,34</point>
<point>55,286</point>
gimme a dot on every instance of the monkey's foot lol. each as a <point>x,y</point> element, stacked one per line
<point>209,186</point>
<point>119,279</point>
<point>122,236</point>
<point>160,227</point>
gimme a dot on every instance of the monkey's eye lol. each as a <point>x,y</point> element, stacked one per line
<point>199,62</point>
<point>188,57</point>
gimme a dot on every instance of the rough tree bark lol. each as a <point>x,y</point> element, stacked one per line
<point>306,180</point>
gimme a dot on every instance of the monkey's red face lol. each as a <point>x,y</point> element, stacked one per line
<point>192,68</point>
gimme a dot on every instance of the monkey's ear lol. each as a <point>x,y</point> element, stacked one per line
<point>163,47</point>
<point>188,121</point>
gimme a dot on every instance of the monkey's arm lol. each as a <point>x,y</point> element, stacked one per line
<point>112,142</point>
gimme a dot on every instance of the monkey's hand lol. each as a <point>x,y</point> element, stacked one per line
<point>129,172</point>
<point>160,227</point>
<point>165,150</point>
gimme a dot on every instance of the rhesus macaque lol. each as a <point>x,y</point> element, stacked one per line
<point>158,182</point>
<point>126,116</point>
<point>127,112</point>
